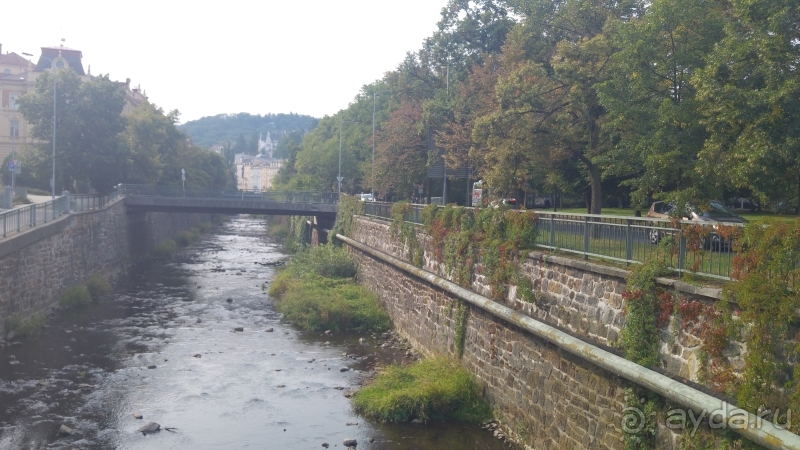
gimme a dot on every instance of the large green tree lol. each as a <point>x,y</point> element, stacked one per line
<point>749,95</point>
<point>651,99</point>
<point>89,150</point>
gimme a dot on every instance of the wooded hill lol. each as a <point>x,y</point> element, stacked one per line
<point>224,128</point>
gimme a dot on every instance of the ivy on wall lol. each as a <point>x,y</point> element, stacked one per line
<point>349,207</point>
<point>459,237</point>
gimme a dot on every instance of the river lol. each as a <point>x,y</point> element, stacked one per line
<point>164,347</point>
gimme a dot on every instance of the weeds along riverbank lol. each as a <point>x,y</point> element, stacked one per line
<point>317,291</point>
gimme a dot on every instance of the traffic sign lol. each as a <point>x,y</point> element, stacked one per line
<point>12,165</point>
<point>340,179</point>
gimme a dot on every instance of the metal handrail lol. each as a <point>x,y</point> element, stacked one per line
<point>19,219</point>
<point>630,240</point>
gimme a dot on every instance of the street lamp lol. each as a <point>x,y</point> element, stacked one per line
<point>372,182</point>
<point>55,67</point>
<point>339,178</point>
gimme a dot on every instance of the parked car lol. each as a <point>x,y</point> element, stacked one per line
<point>714,215</point>
<point>366,198</point>
<point>743,204</point>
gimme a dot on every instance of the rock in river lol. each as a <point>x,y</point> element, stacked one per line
<point>151,427</point>
<point>65,431</point>
<point>350,442</point>
<point>239,329</point>
<point>229,300</point>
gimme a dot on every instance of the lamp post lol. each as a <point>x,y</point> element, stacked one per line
<point>372,181</point>
<point>53,180</point>
<point>339,178</point>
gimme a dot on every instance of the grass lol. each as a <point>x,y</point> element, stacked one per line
<point>97,285</point>
<point>18,200</point>
<point>316,291</point>
<point>35,191</point>
<point>279,230</point>
<point>25,326</point>
<point>753,217</point>
<point>164,248</point>
<point>605,211</point>
<point>430,389</point>
<point>76,297</point>
<point>186,238</point>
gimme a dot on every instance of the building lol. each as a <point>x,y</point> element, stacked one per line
<point>18,76</point>
<point>256,173</point>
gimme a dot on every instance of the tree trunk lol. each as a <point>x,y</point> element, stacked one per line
<point>597,189</point>
<point>594,171</point>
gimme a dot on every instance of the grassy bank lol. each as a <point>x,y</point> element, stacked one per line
<point>181,239</point>
<point>431,389</point>
<point>317,291</point>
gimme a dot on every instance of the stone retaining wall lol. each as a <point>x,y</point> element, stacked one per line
<point>37,265</point>
<point>582,297</point>
<point>547,397</point>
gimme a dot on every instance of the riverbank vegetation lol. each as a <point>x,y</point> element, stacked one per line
<point>430,389</point>
<point>183,238</point>
<point>22,326</point>
<point>317,291</point>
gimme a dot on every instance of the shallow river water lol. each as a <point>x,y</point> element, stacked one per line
<point>163,347</point>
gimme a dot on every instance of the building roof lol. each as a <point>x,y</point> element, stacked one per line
<point>13,59</point>
<point>72,56</point>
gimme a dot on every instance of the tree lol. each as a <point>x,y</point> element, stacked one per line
<point>401,151</point>
<point>749,93</point>
<point>651,99</point>
<point>89,151</point>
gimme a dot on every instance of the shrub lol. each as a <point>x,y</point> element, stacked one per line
<point>185,238</point>
<point>319,303</point>
<point>25,326</point>
<point>165,248</point>
<point>316,291</point>
<point>324,260</point>
<point>76,297</point>
<point>98,285</point>
<point>432,389</point>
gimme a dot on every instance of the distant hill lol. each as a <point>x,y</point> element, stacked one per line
<point>222,128</point>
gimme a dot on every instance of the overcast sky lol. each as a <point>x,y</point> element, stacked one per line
<point>206,58</point>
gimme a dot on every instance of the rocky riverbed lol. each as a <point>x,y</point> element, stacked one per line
<point>191,354</point>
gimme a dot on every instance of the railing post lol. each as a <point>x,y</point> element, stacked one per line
<point>33,215</point>
<point>681,252</point>
<point>5,219</point>
<point>65,194</point>
<point>586,237</point>
<point>553,231</point>
<point>628,242</point>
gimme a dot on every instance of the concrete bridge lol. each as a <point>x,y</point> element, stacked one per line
<point>322,205</point>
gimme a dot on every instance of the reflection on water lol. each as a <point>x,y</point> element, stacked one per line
<point>165,348</point>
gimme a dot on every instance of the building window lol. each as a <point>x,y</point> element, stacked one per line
<point>14,101</point>
<point>14,128</point>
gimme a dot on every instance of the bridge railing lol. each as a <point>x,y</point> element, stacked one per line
<point>273,196</point>
<point>620,238</point>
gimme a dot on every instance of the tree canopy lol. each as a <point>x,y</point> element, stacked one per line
<point>98,147</point>
<point>607,101</point>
